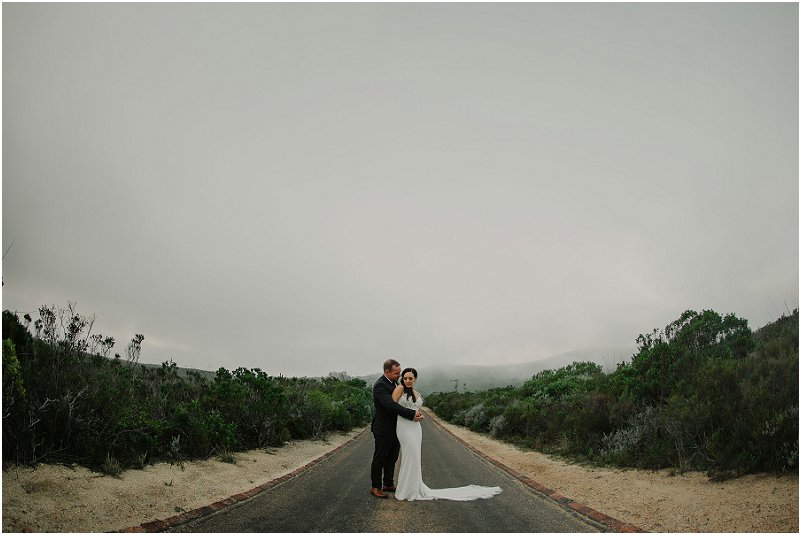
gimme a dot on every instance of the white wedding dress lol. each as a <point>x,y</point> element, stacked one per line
<point>410,484</point>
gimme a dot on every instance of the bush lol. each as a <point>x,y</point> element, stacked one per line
<point>640,443</point>
<point>705,394</point>
<point>476,418</point>
<point>497,426</point>
<point>64,402</point>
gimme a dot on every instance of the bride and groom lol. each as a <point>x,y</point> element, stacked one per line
<point>396,428</point>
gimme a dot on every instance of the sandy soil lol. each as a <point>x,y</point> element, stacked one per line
<point>72,499</point>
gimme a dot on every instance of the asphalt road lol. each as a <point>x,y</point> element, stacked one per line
<point>333,496</point>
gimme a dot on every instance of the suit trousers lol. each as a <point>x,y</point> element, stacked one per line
<point>387,449</point>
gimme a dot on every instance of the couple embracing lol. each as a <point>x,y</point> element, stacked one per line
<point>396,428</point>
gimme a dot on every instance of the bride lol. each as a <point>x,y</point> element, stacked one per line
<point>410,435</point>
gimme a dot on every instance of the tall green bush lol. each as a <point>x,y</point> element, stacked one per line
<point>705,393</point>
<point>64,400</point>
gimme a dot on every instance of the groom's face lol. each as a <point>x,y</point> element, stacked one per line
<point>394,374</point>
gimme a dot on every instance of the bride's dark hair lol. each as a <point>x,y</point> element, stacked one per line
<point>409,392</point>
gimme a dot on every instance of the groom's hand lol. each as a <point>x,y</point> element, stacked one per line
<point>418,415</point>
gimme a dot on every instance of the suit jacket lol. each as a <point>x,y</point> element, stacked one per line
<point>386,410</point>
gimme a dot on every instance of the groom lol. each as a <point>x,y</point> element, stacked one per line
<point>387,446</point>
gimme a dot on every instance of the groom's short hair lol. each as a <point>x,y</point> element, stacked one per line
<point>389,364</point>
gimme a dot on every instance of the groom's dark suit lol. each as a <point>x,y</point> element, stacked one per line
<point>387,446</point>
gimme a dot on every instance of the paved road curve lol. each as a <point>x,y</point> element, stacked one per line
<point>333,496</point>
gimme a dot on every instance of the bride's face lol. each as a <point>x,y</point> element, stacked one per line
<point>408,379</point>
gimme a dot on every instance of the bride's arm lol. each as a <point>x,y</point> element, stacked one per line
<point>396,394</point>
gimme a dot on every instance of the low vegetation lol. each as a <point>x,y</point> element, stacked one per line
<point>66,400</point>
<point>705,393</point>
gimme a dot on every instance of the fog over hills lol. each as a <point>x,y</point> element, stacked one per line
<point>445,378</point>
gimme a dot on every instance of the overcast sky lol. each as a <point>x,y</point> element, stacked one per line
<point>306,188</point>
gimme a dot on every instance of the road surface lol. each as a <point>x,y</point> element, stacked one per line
<point>334,496</point>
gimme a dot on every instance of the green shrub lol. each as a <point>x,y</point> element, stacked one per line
<point>13,388</point>
<point>632,444</point>
<point>704,394</point>
<point>64,402</point>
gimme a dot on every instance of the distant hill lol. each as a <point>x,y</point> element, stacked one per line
<point>183,372</point>
<point>440,378</point>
